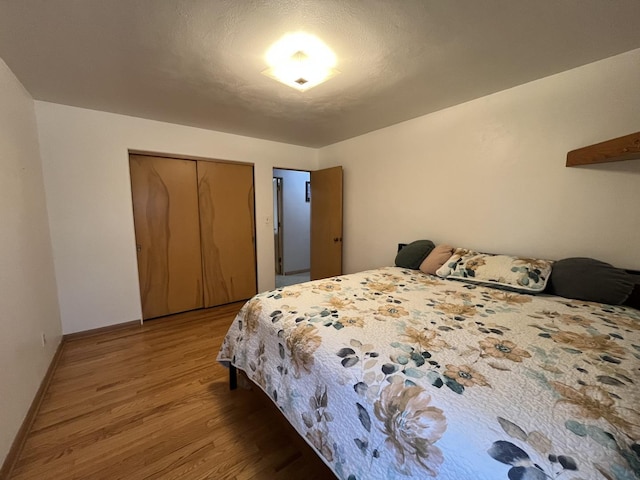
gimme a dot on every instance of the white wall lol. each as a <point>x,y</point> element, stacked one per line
<point>86,172</point>
<point>296,220</point>
<point>490,174</point>
<point>28,303</point>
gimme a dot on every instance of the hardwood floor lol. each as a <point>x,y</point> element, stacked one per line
<point>151,402</point>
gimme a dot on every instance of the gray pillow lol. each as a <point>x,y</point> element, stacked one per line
<point>591,280</point>
<point>634,297</point>
<point>412,255</point>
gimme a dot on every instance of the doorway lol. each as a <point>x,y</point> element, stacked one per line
<point>291,226</point>
<point>277,223</point>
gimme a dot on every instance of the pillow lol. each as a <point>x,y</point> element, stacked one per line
<point>437,257</point>
<point>633,300</point>
<point>412,255</point>
<point>526,275</point>
<point>591,280</point>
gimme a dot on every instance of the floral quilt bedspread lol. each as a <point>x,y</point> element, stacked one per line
<point>393,374</point>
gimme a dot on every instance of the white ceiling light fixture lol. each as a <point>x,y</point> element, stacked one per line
<point>301,61</point>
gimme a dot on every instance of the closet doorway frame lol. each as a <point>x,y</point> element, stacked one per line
<point>131,152</point>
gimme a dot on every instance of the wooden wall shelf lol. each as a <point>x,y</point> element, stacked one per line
<point>618,149</point>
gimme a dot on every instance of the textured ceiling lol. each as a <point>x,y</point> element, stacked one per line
<point>198,62</point>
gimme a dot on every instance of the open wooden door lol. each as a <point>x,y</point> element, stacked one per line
<point>167,226</point>
<point>326,223</point>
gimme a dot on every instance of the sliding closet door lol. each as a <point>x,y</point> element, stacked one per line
<point>227,231</point>
<point>165,210</point>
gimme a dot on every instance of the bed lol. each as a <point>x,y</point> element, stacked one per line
<point>393,374</point>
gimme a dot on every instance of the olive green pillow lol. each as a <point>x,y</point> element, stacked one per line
<point>412,255</point>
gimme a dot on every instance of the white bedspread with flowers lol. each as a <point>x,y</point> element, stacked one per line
<point>393,374</point>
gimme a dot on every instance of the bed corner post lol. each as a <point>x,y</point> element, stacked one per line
<point>233,377</point>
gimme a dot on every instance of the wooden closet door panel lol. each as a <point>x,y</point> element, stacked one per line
<point>227,232</point>
<point>167,226</point>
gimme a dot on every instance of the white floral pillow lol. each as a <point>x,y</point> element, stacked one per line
<point>528,275</point>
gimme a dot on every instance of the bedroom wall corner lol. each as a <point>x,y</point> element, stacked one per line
<point>490,174</point>
<point>28,296</point>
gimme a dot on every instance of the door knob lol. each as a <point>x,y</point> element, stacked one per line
<point>138,248</point>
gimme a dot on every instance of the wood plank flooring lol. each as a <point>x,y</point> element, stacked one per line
<point>151,402</point>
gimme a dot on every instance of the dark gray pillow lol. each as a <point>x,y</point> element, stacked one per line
<point>412,255</point>
<point>634,297</point>
<point>591,280</point>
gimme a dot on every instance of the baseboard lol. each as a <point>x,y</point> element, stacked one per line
<point>97,331</point>
<point>295,272</point>
<point>18,442</point>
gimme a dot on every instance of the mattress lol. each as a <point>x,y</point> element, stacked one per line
<point>393,374</point>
